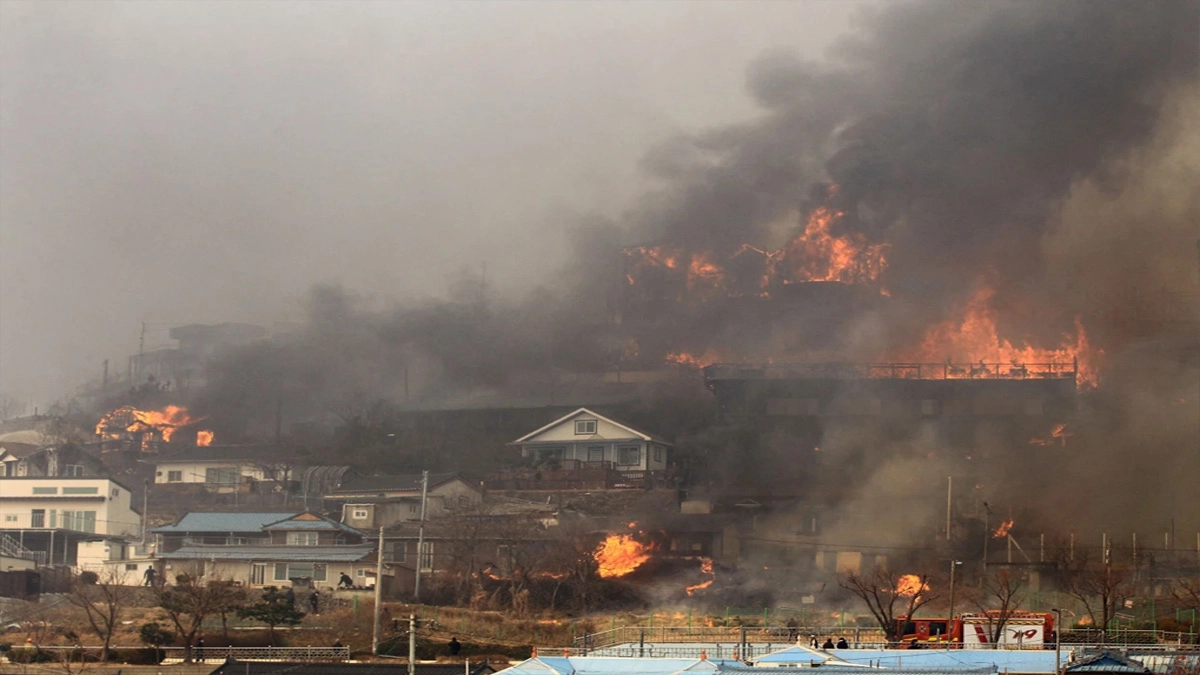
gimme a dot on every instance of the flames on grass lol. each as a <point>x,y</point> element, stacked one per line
<point>620,554</point>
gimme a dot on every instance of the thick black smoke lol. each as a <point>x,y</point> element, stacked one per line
<point>1047,148</point>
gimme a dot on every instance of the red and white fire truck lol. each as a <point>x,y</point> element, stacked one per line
<point>1033,630</point>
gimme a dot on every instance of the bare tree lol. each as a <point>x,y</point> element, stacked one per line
<point>190,601</point>
<point>885,591</point>
<point>102,600</point>
<point>1000,596</point>
<point>1100,586</point>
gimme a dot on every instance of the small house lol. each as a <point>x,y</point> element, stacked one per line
<point>590,439</point>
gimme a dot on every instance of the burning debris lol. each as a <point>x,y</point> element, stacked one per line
<point>149,426</point>
<point>815,254</point>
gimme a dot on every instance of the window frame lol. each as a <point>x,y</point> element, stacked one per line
<point>621,455</point>
<point>174,476</point>
<point>303,538</point>
<point>585,427</point>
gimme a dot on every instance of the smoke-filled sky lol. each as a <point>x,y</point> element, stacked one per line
<point>202,162</point>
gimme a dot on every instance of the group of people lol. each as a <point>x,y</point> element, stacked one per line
<point>828,644</point>
<point>314,600</point>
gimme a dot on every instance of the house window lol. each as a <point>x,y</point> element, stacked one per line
<point>658,455</point>
<point>37,518</point>
<point>360,514</point>
<point>74,470</point>
<point>81,491</point>
<point>585,427</point>
<point>80,521</point>
<point>629,455</point>
<point>286,571</point>
<point>174,476</point>
<point>222,476</point>
<point>551,454</point>
<point>258,574</point>
<point>596,454</point>
<point>10,517</point>
<point>360,573</point>
<point>302,538</point>
<point>130,567</point>
<point>45,490</point>
<point>426,557</point>
<point>412,508</point>
<point>116,492</point>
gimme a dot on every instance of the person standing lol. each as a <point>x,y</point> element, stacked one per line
<point>455,646</point>
<point>314,601</point>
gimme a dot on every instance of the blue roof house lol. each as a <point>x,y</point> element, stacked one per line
<point>257,549</point>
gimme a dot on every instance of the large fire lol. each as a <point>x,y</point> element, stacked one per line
<point>910,585</point>
<point>815,254</point>
<point>620,554</point>
<point>973,339</point>
<point>149,424</point>
<point>706,566</point>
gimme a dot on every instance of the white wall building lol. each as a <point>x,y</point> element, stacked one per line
<point>54,515</point>
<point>594,440</point>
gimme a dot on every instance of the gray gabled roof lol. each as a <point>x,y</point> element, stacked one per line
<point>236,521</point>
<point>393,483</point>
<point>1107,662</point>
<point>633,433</point>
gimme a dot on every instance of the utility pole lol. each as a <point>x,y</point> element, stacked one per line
<point>145,510</point>
<point>953,564</point>
<point>987,534</point>
<point>412,644</point>
<point>949,495</point>
<point>378,593</point>
<point>421,535</point>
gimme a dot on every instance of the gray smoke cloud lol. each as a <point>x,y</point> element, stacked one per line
<point>1048,148</point>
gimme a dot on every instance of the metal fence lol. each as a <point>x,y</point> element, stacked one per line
<point>857,637</point>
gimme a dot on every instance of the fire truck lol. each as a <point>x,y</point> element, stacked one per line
<point>1034,630</point>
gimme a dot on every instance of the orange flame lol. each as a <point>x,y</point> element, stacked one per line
<point>619,555</point>
<point>910,585</point>
<point>1002,531</point>
<point>815,254</point>
<point>706,566</point>
<point>1058,434</point>
<point>204,437</point>
<point>707,358</point>
<point>974,337</point>
<point>131,420</point>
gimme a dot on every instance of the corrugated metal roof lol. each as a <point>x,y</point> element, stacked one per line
<point>236,521</point>
<point>591,665</point>
<point>272,553</point>
<point>1012,661</point>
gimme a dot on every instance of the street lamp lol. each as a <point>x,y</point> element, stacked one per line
<point>950,622</point>
<point>1057,640</point>
<point>987,534</point>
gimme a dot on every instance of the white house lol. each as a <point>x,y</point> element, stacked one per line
<point>53,515</point>
<point>594,440</point>
<point>220,468</point>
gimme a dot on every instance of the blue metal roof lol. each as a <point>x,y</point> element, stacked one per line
<point>200,521</point>
<point>272,553</point>
<point>593,665</point>
<point>1007,660</point>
